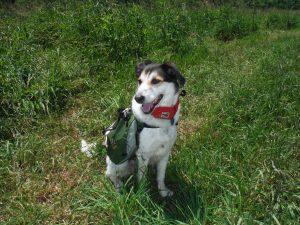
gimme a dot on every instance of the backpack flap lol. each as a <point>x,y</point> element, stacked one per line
<point>120,138</point>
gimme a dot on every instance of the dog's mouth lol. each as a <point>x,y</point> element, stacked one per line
<point>148,107</point>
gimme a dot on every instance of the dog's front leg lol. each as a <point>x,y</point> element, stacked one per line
<point>142,164</point>
<point>115,180</point>
<point>161,172</point>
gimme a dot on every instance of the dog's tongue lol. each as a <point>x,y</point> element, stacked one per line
<point>146,108</point>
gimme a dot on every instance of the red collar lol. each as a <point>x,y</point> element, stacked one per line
<point>165,112</point>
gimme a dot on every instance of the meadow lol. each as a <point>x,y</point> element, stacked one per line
<point>67,66</point>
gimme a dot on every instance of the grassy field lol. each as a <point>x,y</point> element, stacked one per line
<point>65,68</point>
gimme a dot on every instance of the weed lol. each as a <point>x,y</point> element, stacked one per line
<point>282,22</point>
<point>174,30</point>
<point>123,34</point>
<point>232,24</point>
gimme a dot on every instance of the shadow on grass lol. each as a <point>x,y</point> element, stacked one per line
<point>186,205</point>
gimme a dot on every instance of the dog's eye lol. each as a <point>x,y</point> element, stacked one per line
<point>139,81</point>
<point>155,81</point>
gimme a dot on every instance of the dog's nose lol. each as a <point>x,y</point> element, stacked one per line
<point>139,98</point>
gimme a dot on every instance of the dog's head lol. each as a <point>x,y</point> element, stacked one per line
<point>156,83</point>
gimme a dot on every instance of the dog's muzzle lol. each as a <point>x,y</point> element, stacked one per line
<point>148,107</point>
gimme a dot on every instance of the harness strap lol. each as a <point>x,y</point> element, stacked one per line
<point>141,126</point>
<point>148,126</point>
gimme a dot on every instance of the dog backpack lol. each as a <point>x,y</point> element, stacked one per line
<point>121,138</point>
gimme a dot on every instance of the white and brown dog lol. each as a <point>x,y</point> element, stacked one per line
<point>156,104</point>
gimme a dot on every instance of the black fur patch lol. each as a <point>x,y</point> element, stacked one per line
<point>173,75</point>
<point>140,67</point>
<point>167,71</point>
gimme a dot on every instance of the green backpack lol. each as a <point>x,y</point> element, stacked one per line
<point>121,138</point>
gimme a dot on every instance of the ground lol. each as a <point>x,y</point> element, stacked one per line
<point>236,159</point>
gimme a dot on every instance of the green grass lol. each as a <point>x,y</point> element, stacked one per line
<point>67,67</point>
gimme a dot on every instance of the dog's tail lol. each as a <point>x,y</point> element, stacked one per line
<point>88,149</point>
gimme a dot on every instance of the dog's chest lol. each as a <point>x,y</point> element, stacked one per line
<point>155,143</point>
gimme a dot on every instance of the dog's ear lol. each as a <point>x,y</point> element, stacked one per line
<point>140,67</point>
<point>173,73</point>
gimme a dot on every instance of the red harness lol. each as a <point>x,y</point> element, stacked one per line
<point>165,112</point>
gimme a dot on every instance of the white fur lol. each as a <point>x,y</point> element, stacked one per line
<point>87,148</point>
<point>155,143</point>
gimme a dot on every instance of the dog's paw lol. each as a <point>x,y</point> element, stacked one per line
<point>118,189</point>
<point>166,193</point>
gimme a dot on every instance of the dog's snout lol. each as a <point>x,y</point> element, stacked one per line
<point>139,98</point>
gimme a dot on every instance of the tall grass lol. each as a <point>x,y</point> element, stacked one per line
<point>67,66</point>
<point>36,53</point>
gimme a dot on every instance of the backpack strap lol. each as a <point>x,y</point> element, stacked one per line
<point>141,126</point>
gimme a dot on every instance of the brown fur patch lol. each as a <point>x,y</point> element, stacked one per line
<point>157,77</point>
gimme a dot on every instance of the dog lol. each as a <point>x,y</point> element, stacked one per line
<point>156,104</point>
